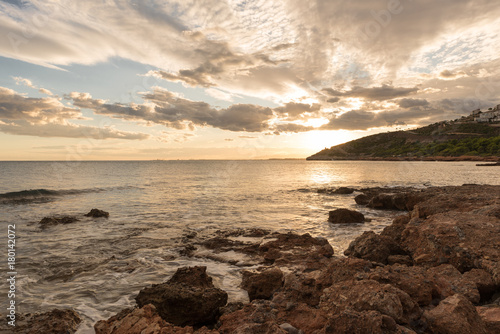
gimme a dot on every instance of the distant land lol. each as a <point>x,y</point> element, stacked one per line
<point>475,138</point>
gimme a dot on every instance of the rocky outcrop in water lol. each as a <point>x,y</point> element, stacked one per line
<point>52,221</point>
<point>345,216</point>
<point>435,270</point>
<point>96,213</point>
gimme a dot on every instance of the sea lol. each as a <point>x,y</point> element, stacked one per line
<point>97,266</point>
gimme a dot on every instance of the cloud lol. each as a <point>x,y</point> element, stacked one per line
<point>384,92</point>
<point>166,108</point>
<point>409,103</point>
<point>218,94</point>
<point>449,75</point>
<point>24,81</point>
<point>294,109</point>
<point>48,117</point>
<point>45,91</point>
<point>333,100</point>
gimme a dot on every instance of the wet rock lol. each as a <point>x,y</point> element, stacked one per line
<point>53,322</point>
<point>52,221</point>
<point>262,285</point>
<point>188,298</point>
<point>96,213</point>
<point>455,315</point>
<point>343,191</point>
<point>345,216</point>
<point>490,317</point>
<point>362,199</point>
<point>370,295</point>
<point>373,247</point>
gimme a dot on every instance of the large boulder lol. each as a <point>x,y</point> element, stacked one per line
<point>370,295</point>
<point>455,315</point>
<point>373,247</point>
<point>345,216</point>
<point>262,285</point>
<point>188,298</point>
<point>491,318</point>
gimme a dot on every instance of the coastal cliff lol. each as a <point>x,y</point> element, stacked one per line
<point>447,141</point>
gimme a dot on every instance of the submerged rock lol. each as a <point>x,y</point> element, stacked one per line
<point>345,216</point>
<point>52,221</point>
<point>96,213</point>
<point>188,298</point>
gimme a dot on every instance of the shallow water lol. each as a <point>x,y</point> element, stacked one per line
<point>97,266</point>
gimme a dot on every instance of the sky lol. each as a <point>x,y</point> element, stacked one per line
<point>232,79</point>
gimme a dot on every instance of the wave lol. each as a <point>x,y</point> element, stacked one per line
<point>45,195</point>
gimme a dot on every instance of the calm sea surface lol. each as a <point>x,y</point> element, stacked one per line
<point>98,266</point>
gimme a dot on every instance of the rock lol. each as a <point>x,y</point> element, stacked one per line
<point>52,221</point>
<point>343,191</point>
<point>262,285</point>
<point>53,322</point>
<point>257,317</point>
<point>188,298</point>
<point>304,318</point>
<point>413,280</point>
<point>362,199</point>
<point>373,247</point>
<point>399,259</point>
<point>455,315</point>
<point>395,230</point>
<point>483,281</point>
<point>96,213</point>
<point>345,216</point>
<point>490,317</point>
<point>141,321</point>
<point>132,321</point>
<point>464,240</point>
<point>290,329</point>
<point>370,295</point>
<point>354,322</point>
<point>449,281</point>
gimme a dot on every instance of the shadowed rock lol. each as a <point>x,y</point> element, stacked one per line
<point>345,216</point>
<point>56,321</point>
<point>52,221</point>
<point>96,213</point>
<point>188,298</point>
<point>262,285</point>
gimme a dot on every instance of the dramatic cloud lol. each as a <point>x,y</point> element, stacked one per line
<point>48,117</point>
<point>168,109</point>
<point>384,92</point>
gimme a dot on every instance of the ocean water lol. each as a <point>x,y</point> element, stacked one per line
<point>97,266</point>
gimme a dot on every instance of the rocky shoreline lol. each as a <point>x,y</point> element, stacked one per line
<point>435,270</point>
<point>411,158</point>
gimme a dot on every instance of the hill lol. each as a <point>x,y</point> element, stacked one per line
<point>450,140</point>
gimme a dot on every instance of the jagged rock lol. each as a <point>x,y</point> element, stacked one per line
<point>345,216</point>
<point>490,317</point>
<point>370,295</point>
<point>56,321</point>
<point>462,239</point>
<point>290,329</point>
<point>52,221</point>
<point>257,317</point>
<point>395,230</point>
<point>354,322</point>
<point>96,213</point>
<point>141,321</point>
<point>262,285</point>
<point>455,315</point>
<point>188,298</point>
<point>373,247</point>
<point>450,281</point>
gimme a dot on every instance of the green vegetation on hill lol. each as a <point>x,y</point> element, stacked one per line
<point>448,139</point>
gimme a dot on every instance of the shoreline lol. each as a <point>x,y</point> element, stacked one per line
<point>431,158</point>
<point>435,269</point>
